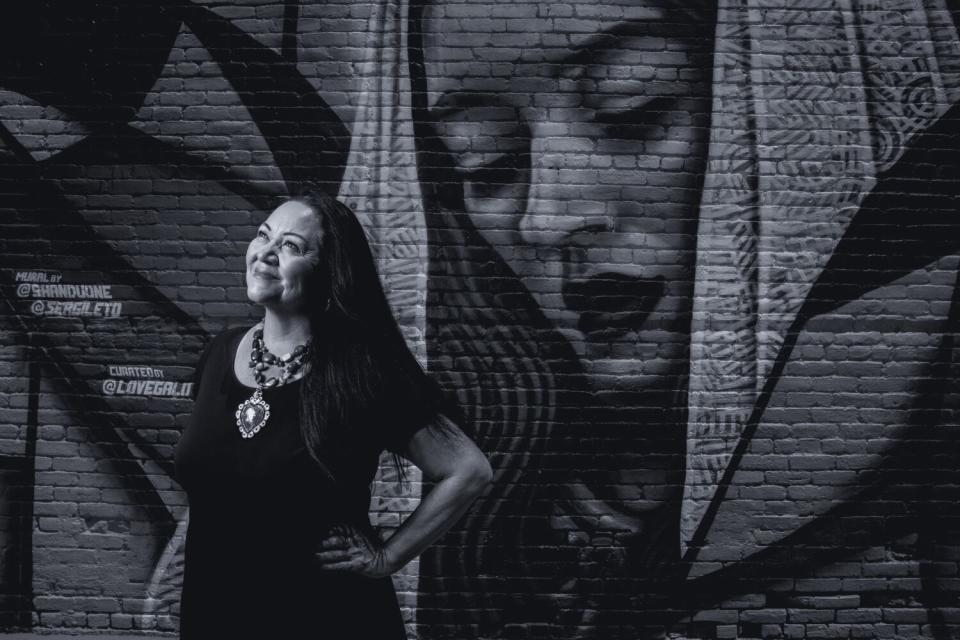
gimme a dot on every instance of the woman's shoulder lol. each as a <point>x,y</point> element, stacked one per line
<point>227,335</point>
<point>219,343</point>
<point>216,355</point>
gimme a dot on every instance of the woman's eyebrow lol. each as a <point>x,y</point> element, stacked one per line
<point>287,233</point>
<point>291,233</point>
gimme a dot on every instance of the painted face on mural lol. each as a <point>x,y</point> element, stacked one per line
<point>581,153</point>
<point>282,257</point>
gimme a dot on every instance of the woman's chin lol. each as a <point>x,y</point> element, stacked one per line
<point>258,295</point>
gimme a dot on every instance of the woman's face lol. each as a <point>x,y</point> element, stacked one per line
<point>581,145</point>
<point>282,257</point>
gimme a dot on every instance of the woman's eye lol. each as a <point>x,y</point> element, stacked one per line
<point>293,245</point>
<point>262,234</point>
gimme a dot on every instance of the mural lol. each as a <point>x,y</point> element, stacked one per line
<point>689,269</point>
<point>567,210</point>
<point>682,209</point>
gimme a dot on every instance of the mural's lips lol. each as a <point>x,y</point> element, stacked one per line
<point>613,301</point>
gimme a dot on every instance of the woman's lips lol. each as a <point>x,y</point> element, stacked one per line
<point>613,301</point>
<point>263,275</point>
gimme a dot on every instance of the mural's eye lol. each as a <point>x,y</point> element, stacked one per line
<point>293,246</point>
<point>262,234</point>
<point>490,179</point>
<point>487,157</point>
<point>498,187</point>
<point>641,123</point>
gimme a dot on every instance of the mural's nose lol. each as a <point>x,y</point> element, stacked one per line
<point>556,205</point>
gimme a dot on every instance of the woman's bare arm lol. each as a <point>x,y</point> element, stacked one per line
<point>460,471</point>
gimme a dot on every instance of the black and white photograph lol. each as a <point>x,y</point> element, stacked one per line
<point>480,319</point>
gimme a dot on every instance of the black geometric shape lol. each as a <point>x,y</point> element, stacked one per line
<point>97,59</point>
<point>910,219</point>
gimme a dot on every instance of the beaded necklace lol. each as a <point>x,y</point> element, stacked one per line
<point>253,413</point>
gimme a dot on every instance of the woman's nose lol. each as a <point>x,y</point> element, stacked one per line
<point>559,201</point>
<point>268,254</point>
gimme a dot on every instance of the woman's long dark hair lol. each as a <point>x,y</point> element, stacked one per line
<point>360,365</point>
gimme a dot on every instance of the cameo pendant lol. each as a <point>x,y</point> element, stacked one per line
<point>252,414</point>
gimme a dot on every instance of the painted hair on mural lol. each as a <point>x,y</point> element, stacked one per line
<point>361,367</point>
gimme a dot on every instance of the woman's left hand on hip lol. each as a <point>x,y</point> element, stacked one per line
<point>348,548</point>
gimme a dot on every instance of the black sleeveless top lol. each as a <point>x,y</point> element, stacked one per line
<point>260,506</point>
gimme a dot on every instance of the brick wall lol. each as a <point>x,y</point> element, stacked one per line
<point>689,269</point>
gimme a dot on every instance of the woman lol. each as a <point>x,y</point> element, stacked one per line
<point>281,450</point>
